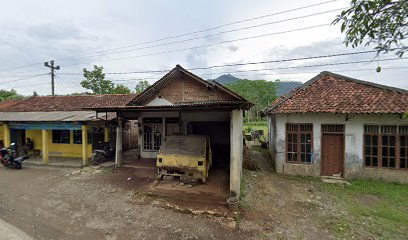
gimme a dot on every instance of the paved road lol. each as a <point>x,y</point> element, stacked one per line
<point>9,232</point>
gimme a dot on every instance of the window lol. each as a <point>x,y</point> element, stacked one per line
<point>403,138</point>
<point>386,146</point>
<point>77,136</point>
<point>388,140</point>
<point>299,143</point>
<point>371,145</point>
<point>60,136</point>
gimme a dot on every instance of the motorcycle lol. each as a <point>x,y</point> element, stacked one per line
<point>8,157</point>
<point>102,155</point>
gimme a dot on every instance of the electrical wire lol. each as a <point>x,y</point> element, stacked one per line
<point>211,35</point>
<point>208,29</point>
<point>238,64</point>
<point>206,46</point>
<point>25,78</point>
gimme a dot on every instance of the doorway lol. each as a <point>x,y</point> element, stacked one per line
<point>18,136</point>
<point>332,150</point>
<point>152,134</point>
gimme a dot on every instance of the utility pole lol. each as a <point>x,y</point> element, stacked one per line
<point>51,65</point>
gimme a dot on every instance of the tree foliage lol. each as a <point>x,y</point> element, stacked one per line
<point>379,22</point>
<point>141,86</point>
<point>260,92</point>
<point>121,89</point>
<point>95,81</point>
<point>12,94</point>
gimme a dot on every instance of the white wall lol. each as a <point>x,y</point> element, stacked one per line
<point>354,130</point>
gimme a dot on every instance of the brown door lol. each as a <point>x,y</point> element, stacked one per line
<point>332,154</point>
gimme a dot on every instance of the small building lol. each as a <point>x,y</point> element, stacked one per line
<point>337,125</point>
<point>59,126</point>
<point>183,103</point>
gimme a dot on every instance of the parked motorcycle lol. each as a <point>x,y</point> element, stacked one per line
<point>102,155</point>
<point>8,157</point>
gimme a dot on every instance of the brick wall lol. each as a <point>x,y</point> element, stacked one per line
<point>186,89</point>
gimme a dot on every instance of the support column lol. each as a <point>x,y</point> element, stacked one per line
<point>7,140</point>
<point>84,145</point>
<point>45,146</point>
<point>118,153</point>
<point>236,152</point>
<point>106,135</point>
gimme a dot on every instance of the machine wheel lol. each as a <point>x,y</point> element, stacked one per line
<point>18,165</point>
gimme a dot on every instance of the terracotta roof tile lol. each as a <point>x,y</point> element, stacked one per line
<point>65,103</point>
<point>333,93</point>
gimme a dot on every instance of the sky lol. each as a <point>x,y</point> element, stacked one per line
<point>148,36</point>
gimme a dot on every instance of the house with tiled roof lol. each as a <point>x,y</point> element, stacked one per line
<point>60,126</point>
<point>335,125</point>
<point>183,103</point>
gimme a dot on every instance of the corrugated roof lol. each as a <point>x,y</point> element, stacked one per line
<point>55,116</point>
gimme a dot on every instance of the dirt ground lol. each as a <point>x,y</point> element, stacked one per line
<point>103,203</point>
<point>64,204</point>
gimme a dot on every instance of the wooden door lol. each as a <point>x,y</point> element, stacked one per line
<point>332,154</point>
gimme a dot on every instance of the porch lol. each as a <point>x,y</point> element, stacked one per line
<point>211,195</point>
<point>66,162</point>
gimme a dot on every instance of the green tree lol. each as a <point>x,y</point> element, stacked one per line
<point>260,92</point>
<point>379,22</point>
<point>141,86</point>
<point>95,81</point>
<point>35,94</point>
<point>12,94</point>
<point>121,89</point>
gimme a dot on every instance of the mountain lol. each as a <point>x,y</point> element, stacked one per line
<point>286,87</point>
<point>225,79</point>
<point>283,87</point>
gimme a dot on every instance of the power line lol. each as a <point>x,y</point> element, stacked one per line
<point>241,64</point>
<point>184,34</point>
<point>24,66</point>
<point>211,35</point>
<point>21,79</point>
<point>205,46</point>
<point>315,65</point>
<point>263,74</point>
<point>207,29</point>
<point>279,68</point>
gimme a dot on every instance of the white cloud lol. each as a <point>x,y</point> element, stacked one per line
<point>34,32</point>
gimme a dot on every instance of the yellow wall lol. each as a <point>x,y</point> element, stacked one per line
<point>1,132</point>
<point>58,149</point>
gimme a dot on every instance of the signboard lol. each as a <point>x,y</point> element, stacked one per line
<point>51,126</point>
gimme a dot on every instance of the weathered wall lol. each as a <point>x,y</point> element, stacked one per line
<point>130,135</point>
<point>186,89</point>
<point>354,130</point>
<point>56,149</point>
<point>186,118</point>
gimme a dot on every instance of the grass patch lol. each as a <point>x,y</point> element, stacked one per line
<point>377,207</point>
<point>257,126</point>
<point>243,202</point>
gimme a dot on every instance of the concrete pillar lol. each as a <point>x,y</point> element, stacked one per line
<point>118,154</point>
<point>84,145</point>
<point>45,146</point>
<point>7,138</point>
<point>236,152</point>
<point>106,135</point>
